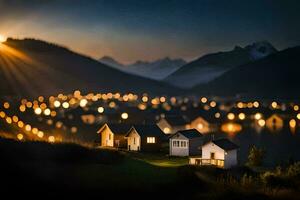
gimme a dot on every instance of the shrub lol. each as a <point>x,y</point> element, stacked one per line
<point>256,156</point>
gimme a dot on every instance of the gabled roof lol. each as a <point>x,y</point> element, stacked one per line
<point>190,133</point>
<point>148,130</point>
<point>225,144</point>
<point>176,120</point>
<point>116,128</point>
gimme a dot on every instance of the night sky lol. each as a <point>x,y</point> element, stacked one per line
<point>136,29</point>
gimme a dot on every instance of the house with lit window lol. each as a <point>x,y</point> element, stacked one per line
<point>113,135</point>
<point>145,138</point>
<point>186,143</point>
<point>173,123</point>
<point>221,153</point>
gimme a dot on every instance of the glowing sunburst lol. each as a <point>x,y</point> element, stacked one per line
<point>2,38</point>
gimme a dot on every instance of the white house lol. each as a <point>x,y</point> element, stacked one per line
<point>220,153</point>
<point>185,143</point>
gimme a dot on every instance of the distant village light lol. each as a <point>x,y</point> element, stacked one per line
<point>293,123</point>
<point>213,104</point>
<point>56,104</point>
<point>6,105</point>
<point>40,134</point>
<point>124,115</point>
<point>28,127</point>
<point>257,116</point>
<point>100,110</point>
<point>256,104</point>
<point>47,112</point>
<point>217,115</point>
<point>65,105</point>
<point>145,99</point>
<point>203,99</point>
<point>51,139</point>
<point>298,116</point>
<point>274,104</point>
<point>167,130</point>
<point>20,136</point>
<point>242,116</point>
<point>296,107</point>
<point>22,108</point>
<point>15,119</point>
<point>230,116</point>
<point>20,124</point>
<point>261,122</point>
<point>83,103</point>
<point>38,111</point>
<point>240,105</point>
<point>8,120</point>
<point>162,99</point>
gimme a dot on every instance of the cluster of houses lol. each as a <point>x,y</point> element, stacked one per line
<point>180,140</point>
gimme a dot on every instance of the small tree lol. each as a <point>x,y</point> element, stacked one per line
<point>256,156</point>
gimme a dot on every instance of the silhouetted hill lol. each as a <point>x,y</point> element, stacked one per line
<point>274,76</point>
<point>210,66</point>
<point>33,67</point>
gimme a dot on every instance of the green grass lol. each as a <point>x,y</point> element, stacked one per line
<point>160,160</point>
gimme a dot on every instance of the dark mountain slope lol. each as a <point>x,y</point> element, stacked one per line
<point>274,76</point>
<point>210,66</point>
<point>31,67</point>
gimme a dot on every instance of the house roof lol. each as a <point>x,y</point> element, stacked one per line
<point>225,144</point>
<point>190,133</point>
<point>176,120</point>
<point>148,130</point>
<point>117,128</point>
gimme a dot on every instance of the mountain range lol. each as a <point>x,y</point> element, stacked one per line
<point>157,70</point>
<point>276,76</point>
<point>211,66</point>
<point>32,67</point>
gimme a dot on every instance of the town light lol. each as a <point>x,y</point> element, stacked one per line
<point>242,116</point>
<point>20,136</point>
<point>38,111</point>
<point>261,122</point>
<point>124,115</point>
<point>56,104</point>
<point>230,116</point>
<point>100,110</point>
<point>257,116</point>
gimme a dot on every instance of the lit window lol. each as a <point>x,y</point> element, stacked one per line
<point>150,139</point>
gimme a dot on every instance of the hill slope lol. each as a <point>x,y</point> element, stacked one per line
<point>274,76</point>
<point>210,66</point>
<point>32,67</point>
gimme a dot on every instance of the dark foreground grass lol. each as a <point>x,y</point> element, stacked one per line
<point>43,170</point>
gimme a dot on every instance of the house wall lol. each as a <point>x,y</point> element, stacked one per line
<point>209,148</point>
<point>200,124</point>
<point>230,159</point>
<point>195,146</point>
<point>163,124</point>
<point>151,147</point>
<point>107,138</point>
<point>120,141</point>
<point>133,141</point>
<point>178,151</point>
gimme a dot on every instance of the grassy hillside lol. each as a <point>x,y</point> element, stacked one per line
<point>57,170</point>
